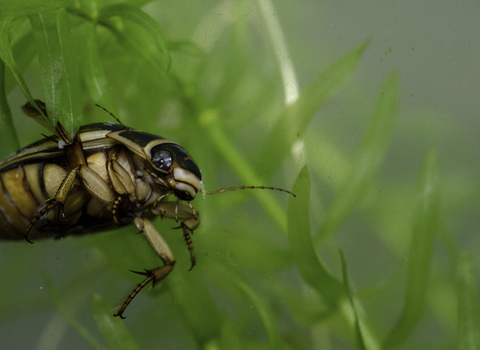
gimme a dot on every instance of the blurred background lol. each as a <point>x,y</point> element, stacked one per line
<point>366,110</point>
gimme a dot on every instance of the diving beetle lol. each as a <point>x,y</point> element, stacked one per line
<point>108,175</point>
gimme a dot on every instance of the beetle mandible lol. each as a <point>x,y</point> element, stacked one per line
<point>108,175</point>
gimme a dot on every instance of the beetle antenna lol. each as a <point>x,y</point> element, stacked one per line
<point>131,135</point>
<point>249,187</point>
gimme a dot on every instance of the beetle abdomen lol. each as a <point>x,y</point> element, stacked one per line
<point>18,204</point>
<point>26,189</point>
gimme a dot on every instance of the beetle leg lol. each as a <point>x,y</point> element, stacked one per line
<point>161,248</point>
<point>194,212</point>
<point>92,182</point>
<point>38,216</point>
<point>120,178</point>
<point>135,292</point>
<point>122,184</point>
<point>155,240</point>
<point>115,214</point>
<point>96,186</point>
<point>188,240</point>
<point>58,201</point>
<point>190,217</point>
<point>176,210</point>
<point>172,210</point>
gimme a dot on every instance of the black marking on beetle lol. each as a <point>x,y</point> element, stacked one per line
<point>143,138</point>
<point>181,156</point>
<point>41,181</point>
<point>27,187</point>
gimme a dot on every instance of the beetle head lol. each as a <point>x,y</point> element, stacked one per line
<point>171,165</point>
<point>184,176</point>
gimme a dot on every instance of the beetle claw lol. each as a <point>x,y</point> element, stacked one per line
<point>118,314</point>
<point>146,273</point>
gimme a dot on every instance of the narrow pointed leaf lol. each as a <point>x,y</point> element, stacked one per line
<point>187,47</point>
<point>209,120</point>
<point>420,254</point>
<point>468,310</point>
<point>24,52</point>
<point>7,57</point>
<point>368,158</point>
<point>306,258</point>
<point>58,69</point>
<point>195,304</point>
<point>8,136</point>
<point>296,117</point>
<point>114,330</point>
<point>229,338</point>
<point>17,8</point>
<point>93,73</point>
<point>267,317</point>
<point>136,15</point>
<point>358,330</point>
<point>68,316</point>
<point>133,47</point>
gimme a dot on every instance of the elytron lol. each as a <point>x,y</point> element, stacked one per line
<point>108,175</point>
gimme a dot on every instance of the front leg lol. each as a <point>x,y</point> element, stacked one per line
<point>163,251</point>
<point>190,217</point>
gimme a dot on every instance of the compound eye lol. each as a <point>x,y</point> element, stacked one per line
<point>162,160</point>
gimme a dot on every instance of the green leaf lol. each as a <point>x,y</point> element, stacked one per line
<point>420,254</point>
<point>24,52</point>
<point>68,316</point>
<point>114,331</point>
<point>296,117</point>
<point>468,311</point>
<point>195,304</point>
<point>187,47</point>
<point>136,15</point>
<point>209,120</point>
<point>232,279</point>
<point>58,69</point>
<point>12,9</point>
<point>229,338</point>
<point>93,73</point>
<point>358,330</point>
<point>131,45</point>
<point>7,57</point>
<point>266,315</point>
<point>367,160</point>
<point>236,62</point>
<point>7,131</point>
<point>306,258</point>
